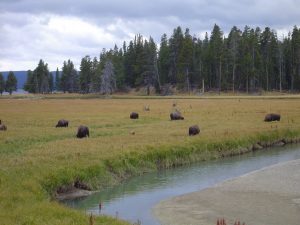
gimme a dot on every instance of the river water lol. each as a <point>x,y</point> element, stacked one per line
<point>134,199</point>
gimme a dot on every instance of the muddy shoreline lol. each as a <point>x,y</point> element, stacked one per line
<point>267,196</point>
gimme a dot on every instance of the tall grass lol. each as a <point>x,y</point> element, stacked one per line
<point>36,158</point>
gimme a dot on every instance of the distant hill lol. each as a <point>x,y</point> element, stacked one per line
<point>21,77</point>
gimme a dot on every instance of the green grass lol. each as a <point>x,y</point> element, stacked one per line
<point>36,158</point>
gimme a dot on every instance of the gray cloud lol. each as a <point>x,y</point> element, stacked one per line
<point>57,30</point>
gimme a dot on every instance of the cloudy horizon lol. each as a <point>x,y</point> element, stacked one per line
<point>56,31</point>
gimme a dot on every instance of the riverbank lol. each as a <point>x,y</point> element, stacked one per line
<point>268,196</point>
<point>71,192</point>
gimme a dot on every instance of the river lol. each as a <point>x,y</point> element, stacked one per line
<point>134,199</point>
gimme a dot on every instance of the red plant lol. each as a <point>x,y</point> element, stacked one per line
<point>223,222</point>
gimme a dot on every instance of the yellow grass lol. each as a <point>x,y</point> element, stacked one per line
<point>35,156</point>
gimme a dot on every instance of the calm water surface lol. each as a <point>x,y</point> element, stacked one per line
<point>134,199</point>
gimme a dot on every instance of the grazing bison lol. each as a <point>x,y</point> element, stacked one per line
<point>193,130</point>
<point>272,117</point>
<point>82,132</point>
<point>176,116</point>
<point>134,115</point>
<point>2,126</point>
<point>62,123</point>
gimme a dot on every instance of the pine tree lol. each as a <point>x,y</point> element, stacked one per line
<point>140,60</point>
<point>254,45</point>
<point>64,78</point>
<point>150,70</point>
<point>186,60</point>
<point>11,83</point>
<point>234,38</point>
<point>129,60</point>
<point>216,51</point>
<point>118,62</point>
<point>266,52</point>
<point>85,76</point>
<point>95,75</point>
<point>38,80</point>
<point>175,42</point>
<point>164,59</point>
<point>41,80</point>
<point>245,59</point>
<point>69,81</point>
<point>197,67</point>
<point>2,83</point>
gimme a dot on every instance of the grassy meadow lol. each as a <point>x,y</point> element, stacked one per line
<point>36,158</point>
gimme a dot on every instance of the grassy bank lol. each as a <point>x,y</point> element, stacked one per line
<point>36,158</point>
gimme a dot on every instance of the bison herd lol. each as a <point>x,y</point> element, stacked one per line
<point>83,131</point>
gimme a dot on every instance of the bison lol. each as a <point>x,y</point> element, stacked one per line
<point>176,116</point>
<point>62,123</point>
<point>272,117</point>
<point>193,130</point>
<point>2,126</point>
<point>82,132</point>
<point>134,115</point>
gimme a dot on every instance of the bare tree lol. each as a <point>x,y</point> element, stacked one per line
<point>108,80</point>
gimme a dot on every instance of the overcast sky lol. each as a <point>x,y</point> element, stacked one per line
<point>58,30</point>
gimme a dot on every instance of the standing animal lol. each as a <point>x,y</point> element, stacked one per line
<point>193,130</point>
<point>62,123</point>
<point>176,116</point>
<point>272,117</point>
<point>147,108</point>
<point>2,126</point>
<point>82,132</point>
<point>134,115</point>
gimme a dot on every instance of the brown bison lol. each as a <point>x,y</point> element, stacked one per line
<point>134,115</point>
<point>82,132</point>
<point>193,130</point>
<point>62,123</point>
<point>176,116</point>
<point>2,126</point>
<point>272,117</point>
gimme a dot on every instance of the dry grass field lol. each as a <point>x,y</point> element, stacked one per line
<point>36,158</point>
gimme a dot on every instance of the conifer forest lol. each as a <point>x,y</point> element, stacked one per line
<point>248,60</point>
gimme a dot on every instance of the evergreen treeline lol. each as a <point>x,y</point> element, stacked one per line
<point>245,60</point>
